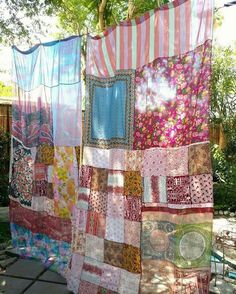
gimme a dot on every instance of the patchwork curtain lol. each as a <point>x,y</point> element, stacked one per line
<point>46,139</point>
<point>143,219</point>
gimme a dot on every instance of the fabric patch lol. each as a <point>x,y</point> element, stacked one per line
<point>115,182</point>
<point>162,189</point>
<point>79,219</point>
<point>77,264</point>
<point>158,240</point>
<point>199,159</point>
<point>39,171</point>
<point>151,189</point>
<point>78,242</point>
<point>98,201</point>
<point>65,181</point>
<point>85,176</point>
<point>50,194</point>
<point>96,224</point>
<point>132,233</point>
<point>117,159</point>
<point>33,151</point>
<point>43,247</point>
<point>133,160</point>
<point>94,247</point>
<point>177,161</point>
<point>102,129</point>
<point>45,154</point>
<point>132,183</point>
<point>201,189</point>
<point>50,173</point>
<point>87,288</point>
<point>129,283</point>
<point>158,276</point>
<point>40,188</point>
<point>21,184</point>
<point>92,270</point>
<point>99,179</point>
<point>174,113</point>
<point>131,258</point>
<point>110,278</point>
<point>113,253</point>
<point>43,204</point>
<point>96,157</point>
<point>40,222</point>
<point>193,245</point>
<point>115,229</point>
<point>113,159</point>
<point>192,280</point>
<point>178,190</point>
<point>73,277</point>
<point>132,208</point>
<point>154,162</point>
<point>115,206</point>
<point>83,198</point>
<point>38,204</point>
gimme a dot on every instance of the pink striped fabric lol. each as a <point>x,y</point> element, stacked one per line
<point>135,43</point>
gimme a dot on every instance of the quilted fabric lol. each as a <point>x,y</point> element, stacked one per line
<point>46,138</point>
<point>145,182</point>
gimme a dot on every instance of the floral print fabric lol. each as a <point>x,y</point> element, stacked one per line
<point>65,180</point>
<point>175,113</point>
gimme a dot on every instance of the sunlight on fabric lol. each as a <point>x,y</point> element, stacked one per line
<point>158,91</point>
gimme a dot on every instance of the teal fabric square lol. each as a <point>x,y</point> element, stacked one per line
<point>109,112</point>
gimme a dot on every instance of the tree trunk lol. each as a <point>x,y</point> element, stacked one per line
<point>222,138</point>
<point>101,9</point>
<point>131,9</point>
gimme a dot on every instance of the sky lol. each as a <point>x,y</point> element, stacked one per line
<point>224,35</point>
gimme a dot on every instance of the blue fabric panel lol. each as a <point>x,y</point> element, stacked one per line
<point>108,111</point>
<point>48,64</point>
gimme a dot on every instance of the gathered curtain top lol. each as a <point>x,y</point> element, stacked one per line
<point>171,30</point>
<point>50,64</point>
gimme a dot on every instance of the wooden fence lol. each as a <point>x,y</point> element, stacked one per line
<point>5,117</point>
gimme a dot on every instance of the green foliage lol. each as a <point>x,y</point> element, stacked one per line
<point>4,166</point>
<point>75,16</point>
<point>20,18</point>
<point>223,115</point>
<point>223,99</point>
<point>81,16</point>
<point>224,171</point>
<point>143,6</point>
<point>5,91</point>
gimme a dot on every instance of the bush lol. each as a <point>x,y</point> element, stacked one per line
<point>224,175</point>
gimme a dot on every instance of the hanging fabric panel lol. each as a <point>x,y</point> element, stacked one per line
<point>46,140</point>
<point>143,219</point>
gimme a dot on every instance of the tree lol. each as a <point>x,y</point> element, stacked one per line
<point>223,118</point>
<point>20,18</point>
<point>223,90</point>
<point>80,16</point>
